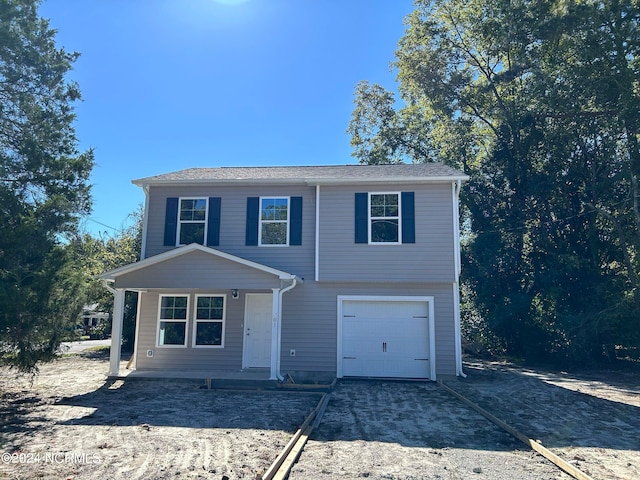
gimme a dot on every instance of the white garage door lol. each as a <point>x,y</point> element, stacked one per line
<point>385,338</point>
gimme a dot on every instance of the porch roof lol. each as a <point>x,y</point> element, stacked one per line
<point>176,253</point>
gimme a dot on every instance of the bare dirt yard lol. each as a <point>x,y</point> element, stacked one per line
<point>71,423</point>
<point>401,430</point>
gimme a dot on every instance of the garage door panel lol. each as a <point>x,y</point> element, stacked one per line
<point>385,338</point>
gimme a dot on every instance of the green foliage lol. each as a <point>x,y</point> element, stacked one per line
<point>43,188</point>
<point>97,255</point>
<point>539,102</point>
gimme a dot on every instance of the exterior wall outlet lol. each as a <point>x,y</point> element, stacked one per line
<point>292,352</point>
<point>149,353</point>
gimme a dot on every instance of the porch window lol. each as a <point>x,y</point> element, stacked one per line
<point>192,220</point>
<point>209,321</point>
<point>172,320</point>
<point>274,221</point>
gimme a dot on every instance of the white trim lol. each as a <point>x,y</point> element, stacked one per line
<point>172,320</point>
<point>317,246</point>
<point>179,251</point>
<point>143,248</point>
<point>194,327</point>
<point>456,321</point>
<point>308,181</point>
<point>116,332</point>
<point>180,222</point>
<point>456,230</point>
<point>370,218</point>
<point>429,299</point>
<point>137,332</point>
<point>287,221</point>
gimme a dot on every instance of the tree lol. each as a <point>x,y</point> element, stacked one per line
<point>538,103</point>
<point>43,188</point>
<point>97,255</point>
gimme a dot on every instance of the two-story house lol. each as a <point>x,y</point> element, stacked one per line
<point>317,271</point>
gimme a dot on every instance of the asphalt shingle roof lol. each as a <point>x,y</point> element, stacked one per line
<point>306,174</point>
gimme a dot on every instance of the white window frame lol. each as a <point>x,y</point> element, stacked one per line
<point>196,320</point>
<point>398,217</point>
<point>185,321</point>
<point>287,221</point>
<point>205,221</point>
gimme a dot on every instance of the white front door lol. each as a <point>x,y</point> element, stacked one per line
<point>257,330</point>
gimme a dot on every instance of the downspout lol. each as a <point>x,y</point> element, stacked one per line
<point>106,285</point>
<point>281,294</point>
<point>457,185</point>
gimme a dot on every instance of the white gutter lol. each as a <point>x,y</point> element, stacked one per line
<point>456,186</point>
<point>105,284</point>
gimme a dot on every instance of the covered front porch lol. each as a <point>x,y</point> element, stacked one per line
<point>176,293</point>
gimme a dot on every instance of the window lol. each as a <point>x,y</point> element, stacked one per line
<point>274,221</point>
<point>172,320</point>
<point>384,218</point>
<point>192,220</point>
<point>209,321</point>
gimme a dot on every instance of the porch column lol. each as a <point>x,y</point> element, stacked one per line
<point>275,343</point>
<point>116,332</point>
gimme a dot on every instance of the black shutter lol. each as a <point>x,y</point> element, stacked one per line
<point>213,222</point>
<point>408,217</point>
<point>253,220</point>
<point>362,218</point>
<point>171,222</point>
<point>295,219</point>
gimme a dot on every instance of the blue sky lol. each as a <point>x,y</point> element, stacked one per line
<point>173,84</point>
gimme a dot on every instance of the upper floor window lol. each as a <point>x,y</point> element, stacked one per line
<point>274,221</point>
<point>384,218</point>
<point>192,220</point>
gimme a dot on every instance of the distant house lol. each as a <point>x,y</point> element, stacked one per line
<point>347,271</point>
<point>92,317</point>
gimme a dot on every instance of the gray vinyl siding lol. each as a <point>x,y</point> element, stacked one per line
<point>197,270</point>
<point>189,358</point>
<point>309,322</point>
<point>430,259</point>
<point>295,259</point>
<point>309,325</point>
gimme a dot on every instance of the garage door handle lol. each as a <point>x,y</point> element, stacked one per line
<point>384,346</point>
<point>349,358</point>
<point>425,359</point>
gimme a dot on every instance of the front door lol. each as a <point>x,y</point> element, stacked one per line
<point>257,330</point>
